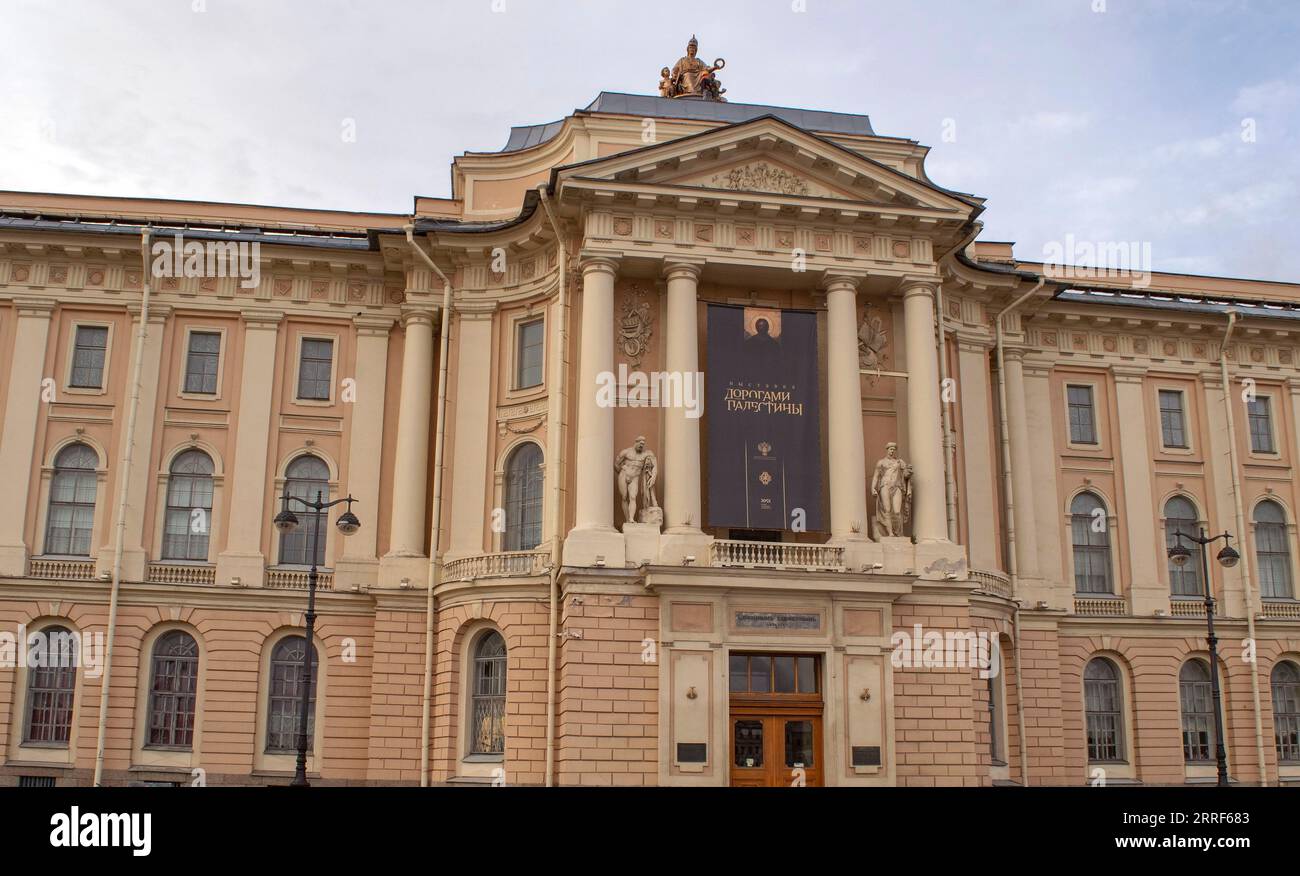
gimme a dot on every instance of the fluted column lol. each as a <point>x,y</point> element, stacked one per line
<point>1022,474</point>
<point>593,538</point>
<point>925,439</point>
<point>23,400</point>
<point>682,431</point>
<point>848,470</point>
<point>411,465</point>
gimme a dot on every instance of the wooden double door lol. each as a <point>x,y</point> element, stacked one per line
<point>775,721</point>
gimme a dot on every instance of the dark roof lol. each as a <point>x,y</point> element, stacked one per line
<point>204,231</point>
<point>649,106</point>
<point>1182,302</point>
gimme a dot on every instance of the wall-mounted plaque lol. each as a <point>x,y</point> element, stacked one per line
<point>866,755</point>
<point>778,620</point>
<point>692,752</point>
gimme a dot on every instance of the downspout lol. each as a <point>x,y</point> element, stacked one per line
<point>1241,529</point>
<point>435,518</point>
<point>1013,569</point>
<point>555,437</point>
<point>119,539</point>
<point>949,442</point>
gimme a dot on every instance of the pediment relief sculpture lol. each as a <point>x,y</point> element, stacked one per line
<point>762,177</point>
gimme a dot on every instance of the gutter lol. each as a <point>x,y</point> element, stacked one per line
<point>555,438</point>
<point>119,539</point>
<point>1245,558</point>
<point>435,517</point>
<point>1013,569</point>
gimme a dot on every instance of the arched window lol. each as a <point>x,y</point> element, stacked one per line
<point>72,502</point>
<point>51,686</point>
<point>285,696</point>
<point>1286,711</point>
<point>1103,705</point>
<point>1180,516</point>
<point>1273,551</point>
<point>524,498</point>
<point>487,732</point>
<point>1090,531</point>
<point>306,477</point>
<point>189,507</point>
<point>173,685</point>
<point>1197,702</point>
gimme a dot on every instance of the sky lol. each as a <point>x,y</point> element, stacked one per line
<point>1169,123</point>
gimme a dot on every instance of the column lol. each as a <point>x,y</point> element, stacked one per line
<point>358,565</point>
<point>469,469</point>
<point>682,432</point>
<point>411,464</point>
<point>593,535</point>
<point>23,399</point>
<point>1048,508</point>
<point>143,470</point>
<point>979,453</point>
<point>249,519</point>
<point>848,469</point>
<point>1022,473</point>
<point>924,430</point>
<point>1145,542</point>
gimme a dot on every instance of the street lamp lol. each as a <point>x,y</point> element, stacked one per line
<point>1179,555</point>
<point>286,521</point>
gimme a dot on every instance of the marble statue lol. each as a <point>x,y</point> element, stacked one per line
<point>637,470</point>
<point>891,484</point>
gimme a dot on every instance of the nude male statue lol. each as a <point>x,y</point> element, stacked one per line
<point>637,471</point>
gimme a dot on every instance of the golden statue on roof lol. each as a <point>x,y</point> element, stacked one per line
<point>692,78</point>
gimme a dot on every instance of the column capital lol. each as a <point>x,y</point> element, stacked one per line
<point>371,324</point>
<point>839,278</point>
<point>927,286</point>
<point>157,312</point>
<point>475,309</point>
<point>598,262</point>
<point>972,341</point>
<point>676,267</point>
<point>42,308</point>
<point>415,315</point>
<point>262,319</point>
<point>1014,353</point>
<point>1128,373</point>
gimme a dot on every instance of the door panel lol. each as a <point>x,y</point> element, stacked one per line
<point>776,751</point>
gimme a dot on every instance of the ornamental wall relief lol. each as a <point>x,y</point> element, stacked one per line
<point>635,326</point>
<point>761,177</point>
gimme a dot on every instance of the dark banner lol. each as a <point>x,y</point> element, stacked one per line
<point>763,422</point>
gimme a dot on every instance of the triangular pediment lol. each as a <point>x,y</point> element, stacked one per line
<point>768,158</point>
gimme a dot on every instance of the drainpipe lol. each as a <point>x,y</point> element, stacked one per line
<point>555,437</point>
<point>949,442</point>
<point>435,522</point>
<point>1010,507</point>
<point>119,539</point>
<point>1245,553</point>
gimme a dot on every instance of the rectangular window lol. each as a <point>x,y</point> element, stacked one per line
<point>528,354</point>
<point>1083,420</point>
<point>1261,425</point>
<point>201,362</point>
<point>315,369</point>
<point>1173,428</point>
<point>89,349</point>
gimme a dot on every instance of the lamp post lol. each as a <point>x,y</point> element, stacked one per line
<point>1179,555</point>
<point>286,521</point>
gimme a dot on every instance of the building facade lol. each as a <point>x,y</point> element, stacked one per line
<point>988,601</point>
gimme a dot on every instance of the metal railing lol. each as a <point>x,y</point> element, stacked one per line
<point>775,555</point>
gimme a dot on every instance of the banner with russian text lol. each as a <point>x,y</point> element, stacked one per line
<point>763,420</point>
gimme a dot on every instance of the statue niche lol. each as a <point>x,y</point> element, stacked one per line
<point>891,485</point>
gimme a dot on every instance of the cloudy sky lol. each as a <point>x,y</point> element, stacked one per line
<point>1173,122</point>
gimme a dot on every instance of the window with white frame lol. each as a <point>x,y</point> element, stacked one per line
<point>1196,700</point>
<point>1104,710</point>
<point>315,369</point>
<point>1083,415</point>
<point>487,731</point>
<point>284,697</point>
<point>1090,534</point>
<point>70,518</point>
<point>529,344</point>
<point>89,348</point>
<point>1180,517</point>
<point>1259,413</point>
<point>188,518</point>
<point>1173,421</point>
<point>1286,711</point>
<point>1273,551</point>
<point>201,363</point>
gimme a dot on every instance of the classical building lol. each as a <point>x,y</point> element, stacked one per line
<point>908,528</point>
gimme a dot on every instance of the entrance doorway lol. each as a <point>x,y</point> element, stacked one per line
<point>775,720</point>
